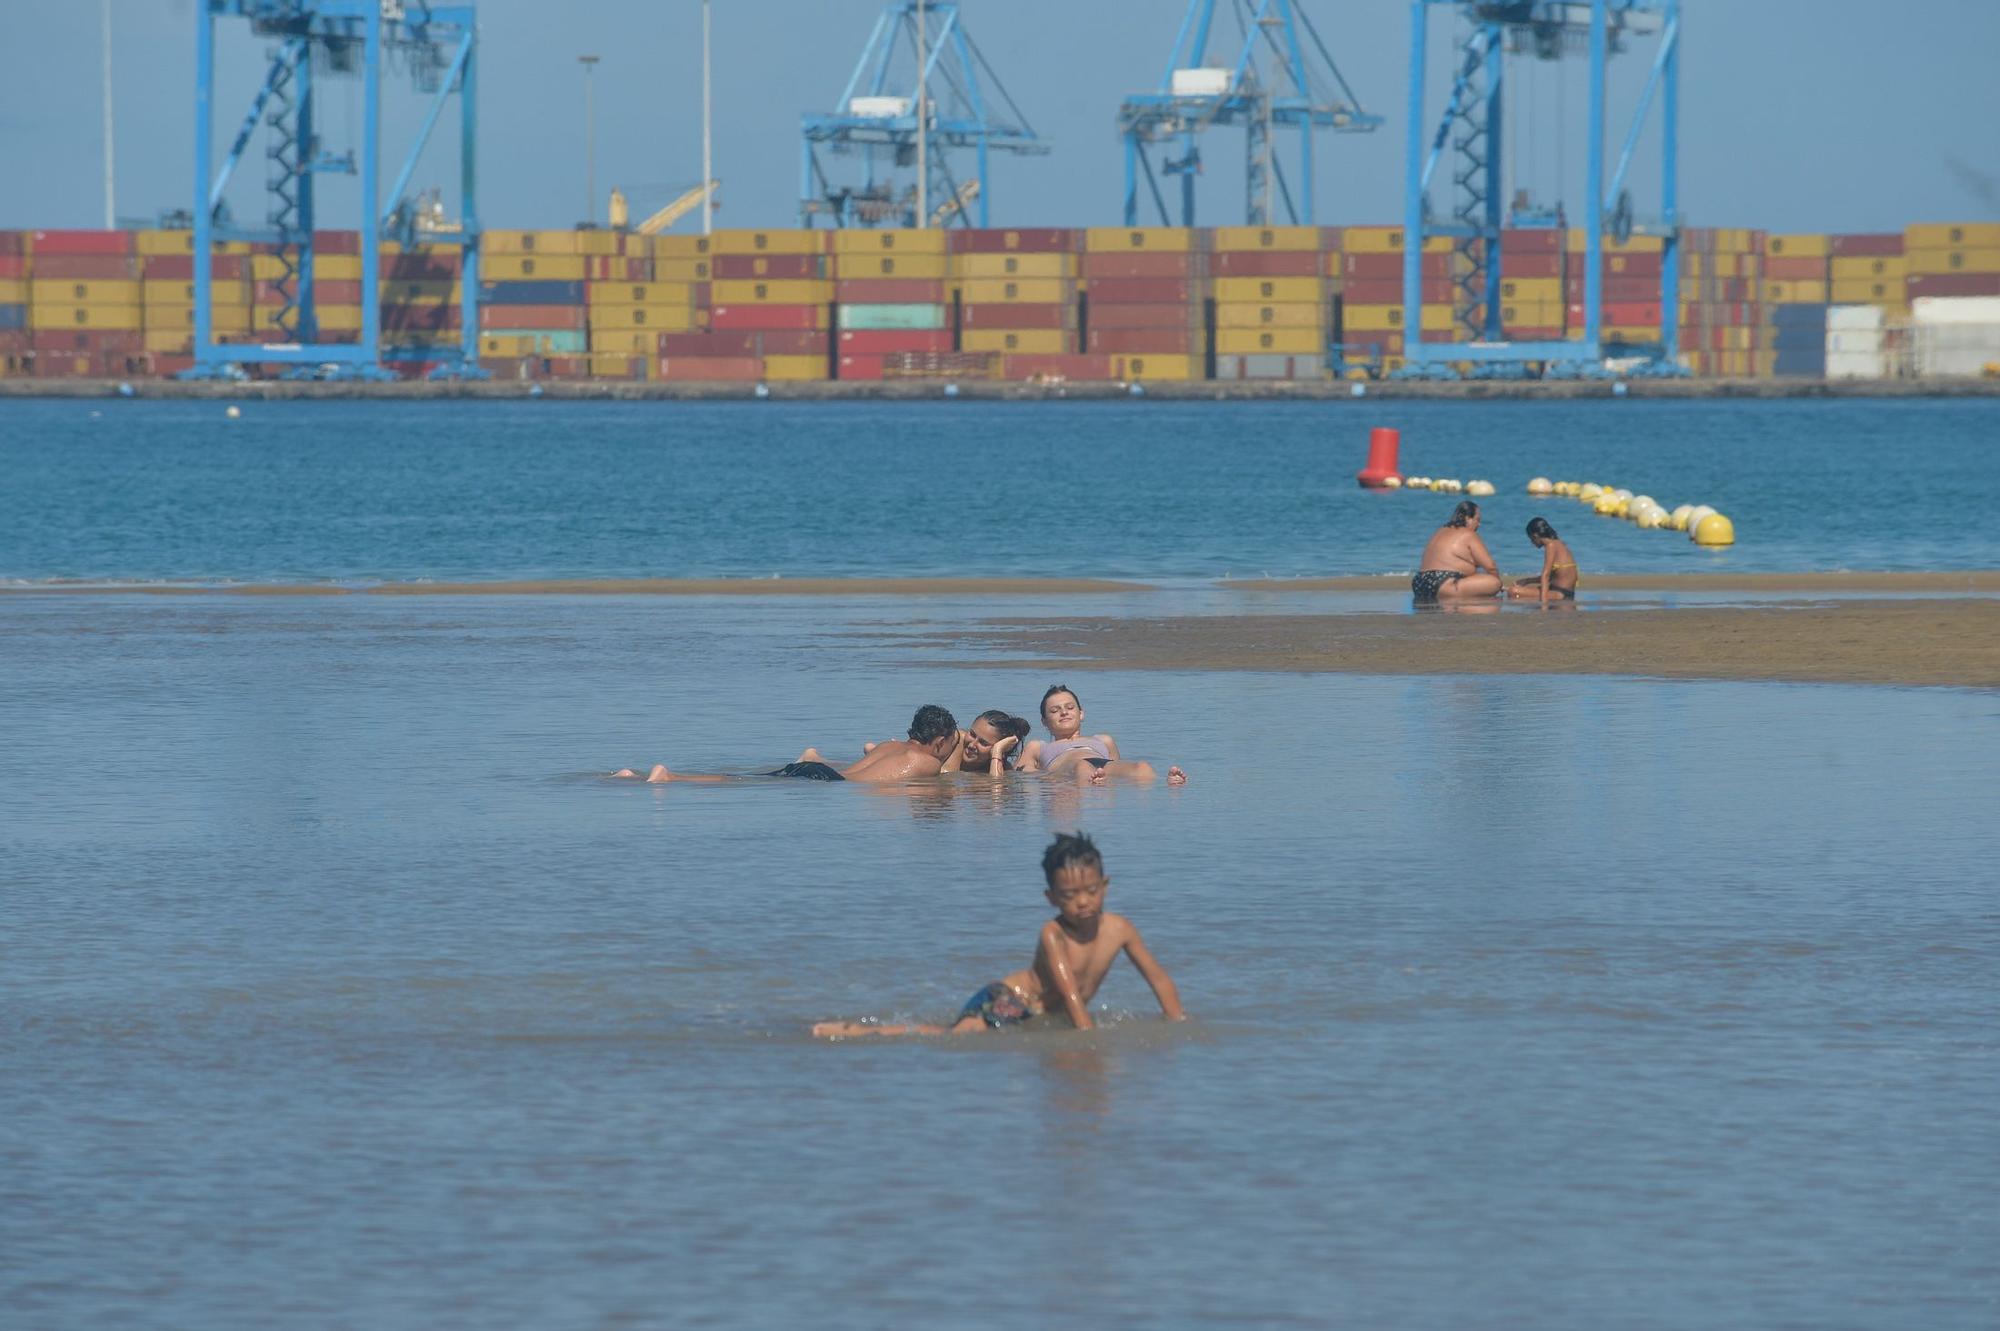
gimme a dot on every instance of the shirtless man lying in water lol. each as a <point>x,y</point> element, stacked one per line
<point>1451,569</point>
<point>933,737</point>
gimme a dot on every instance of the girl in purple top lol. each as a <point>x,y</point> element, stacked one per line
<point>1087,758</point>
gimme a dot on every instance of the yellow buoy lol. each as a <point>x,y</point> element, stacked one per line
<point>1589,491</point>
<point>1678,519</point>
<point>1392,482</point>
<point>1540,486</point>
<point>1480,488</point>
<point>1605,507</point>
<point>1715,530</point>
<point>233,412</point>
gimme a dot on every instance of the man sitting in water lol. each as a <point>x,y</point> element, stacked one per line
<point>933,736</point>
<point>1072,957</point>
<point>1450,568</point>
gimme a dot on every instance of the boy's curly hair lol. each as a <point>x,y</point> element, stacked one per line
<point>1067,850</point>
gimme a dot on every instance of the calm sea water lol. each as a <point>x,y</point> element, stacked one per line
<point>338,989</point>
<point>151,491</point>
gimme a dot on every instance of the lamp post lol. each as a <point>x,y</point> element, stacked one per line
<point>707,148</point>
<point>589,63</point>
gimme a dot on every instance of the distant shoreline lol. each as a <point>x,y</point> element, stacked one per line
<point>990,390</point>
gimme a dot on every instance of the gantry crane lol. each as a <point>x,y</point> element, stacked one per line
<point>1274,81</point>
<point>919,93</point>
<point>334,38</point>
<point>620,212</point>
<point>1471,129</point>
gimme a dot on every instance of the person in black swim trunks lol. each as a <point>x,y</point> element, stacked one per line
<point>933,735</point>
<point>1453,559</point>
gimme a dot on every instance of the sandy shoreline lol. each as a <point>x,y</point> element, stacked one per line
<point>1938,642</point>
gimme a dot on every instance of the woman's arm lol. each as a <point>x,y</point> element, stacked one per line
<point>1110,746</point>
<point>1031,757</point>
<point>1548,569</point>
<point>957,760</point>
<point>997,765</point>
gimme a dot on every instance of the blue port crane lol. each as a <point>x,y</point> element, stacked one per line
<point>919,62</point>
<point>1273,81</point>
<point>1469,132</point>
<point>315,40</point>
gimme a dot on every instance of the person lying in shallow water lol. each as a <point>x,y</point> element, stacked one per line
<point>1072,956</point>
<point>933,735</point>
<point>1087,758</point>
<point>988,745</point>
<point>1559,574</point>
<point>1456,565</point>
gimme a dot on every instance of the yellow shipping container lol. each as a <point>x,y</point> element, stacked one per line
<point>1889,266</point>
<point>102,318</point>
<point>1253,315</point>
<point>680,270</point>
<point>1291,238</point>
<point>418,293</point>
<point>153,243</point>
<point>180,318</point>
<point>793,291</point>
<point>795,368</point>
<point>681,247</point>
<point>627,341</point>
<point>639,293</point>
<point>767,242</point>
<point>1268,289</point>
<point>159,292</point>
<point>1389,318</point>
<point>1930,262</point>
<point>599,244</point>
<point>1036,341</point>
<point>1151,239</point>
<point>1795,293</point>
<point>13,291</point>
<point>664,318</point>
<point>510,344</point>
<point>1281,341</point>
<point>1534,314</point>
<point>899,240</point>
<point>326,267</point>
<point>1866,291</point>
<point>170,343</point>
<point>1155,367</point>
<point>1001,291</point>
<point>343,319</point>
<point>61,291</point>
<point>1952,236</point>
<point>1797,246</point>
<point>533,268</point>
<point>922,267</point>
<point>1632,333</point>
<point>1531,290</point>
<point>1013,265</point>
<point>613,365</point>
<point>557,243</point>
<point>1386,240</point>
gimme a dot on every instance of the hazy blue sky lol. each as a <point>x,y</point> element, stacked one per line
<point>1837,115</point>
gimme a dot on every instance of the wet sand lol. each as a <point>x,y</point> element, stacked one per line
<point>1948,642</point>
<point>622,587</point>
<point>1974,580</point>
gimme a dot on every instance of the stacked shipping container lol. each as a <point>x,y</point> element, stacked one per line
<point>1270,292</point>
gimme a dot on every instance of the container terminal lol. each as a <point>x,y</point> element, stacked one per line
<point>894,275</point>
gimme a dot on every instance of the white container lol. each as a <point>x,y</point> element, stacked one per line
<point>1955,310</point>
<point>1867,339</point>
<point>1845,318</point>
<point>1200,82</point>
<point>1954,336</point>
<point>1856,364</point>
<point>879,108</point>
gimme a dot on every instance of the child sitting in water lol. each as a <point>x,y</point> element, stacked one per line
<point>1073,955</point>
<point>1559,573</point>
<point>1092,758</point>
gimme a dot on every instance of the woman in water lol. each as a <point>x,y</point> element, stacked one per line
<point>1559,573</point>
<point>1451,567</point>
<point>989,744</point>
<point>1092,758</point>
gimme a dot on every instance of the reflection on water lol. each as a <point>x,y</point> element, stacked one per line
<point>339,980</point>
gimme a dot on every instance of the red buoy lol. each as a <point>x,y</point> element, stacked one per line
<point>1383,444</point>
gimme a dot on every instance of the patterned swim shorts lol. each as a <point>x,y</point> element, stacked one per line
<point>997,1006</point>
<point>1424,586</point>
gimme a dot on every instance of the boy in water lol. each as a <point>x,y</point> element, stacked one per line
<point>1072,957</point>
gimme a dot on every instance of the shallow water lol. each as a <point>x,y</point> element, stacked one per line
<point>339,988</point>
<point>1158,491</point>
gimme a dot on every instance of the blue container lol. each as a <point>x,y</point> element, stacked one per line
<point>898,318</point>
<point>531,293</point>
<point>1799,316</point>
<point>1799,339</point>
<point>1810,364</point>
<point>12,317</point>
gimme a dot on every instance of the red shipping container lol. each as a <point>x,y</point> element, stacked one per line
<point>675,345</point>
<point>873,342</point>
<point>783,267</point>
<point>85,268</point>
<point>80,243</point>
<point>1144,341</point>
<point>1535,333</point>
<point>1630,314</point>
<point>1380,342</point>
<point>1145,316</point>
<point>768,316</point>
<point>13,266</point>
<point>859,367</point>
<point>1530,240</point>
<point>1142,290</point>
<point>180,268</point>
<point>419,318</point>
<point>79,340</point>
<point>63,365</point>
<point>1614,288</point>
<point>336,242</point>
<point>787,343</point>
<point>1786,268</point>
<point>1868,245</point>
<point>1435,291</point>
<point>1264,263</point>
<point>1027,366</point>
<point>889,291</point>
<point>339,293</point>
<point>1038,315</point>
<point>1391,265</point>
<point>1118,264</point>
<point>421,267</point>
<point>1953,284</point>
<point>712,368</point>
<point>551,318</point>
<point>1016,240</point>
<point>1532,265</point>
<point>13,340</point>
<point>167,366</point>
<point>13,243</point>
